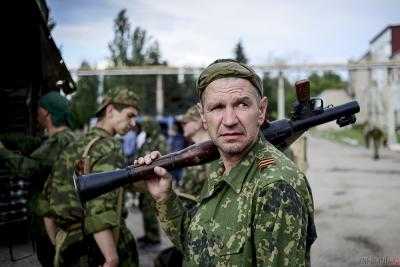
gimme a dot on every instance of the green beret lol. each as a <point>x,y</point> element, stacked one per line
<point>58,106</point>
<point>121,96</point>
<point>224,68</point>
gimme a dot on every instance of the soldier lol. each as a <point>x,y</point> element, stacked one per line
<point>154,140</point>
<point>194,177</point>
<point>97,234</point>
<point>54,116</point>
<point>192,181</point>
<point>256,207</point>
<point>375,127</point>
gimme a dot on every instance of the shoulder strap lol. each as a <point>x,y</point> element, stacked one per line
<point>89,146</point>
<point>85,157</point>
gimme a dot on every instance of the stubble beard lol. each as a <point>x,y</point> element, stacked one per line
<point>231,149</point>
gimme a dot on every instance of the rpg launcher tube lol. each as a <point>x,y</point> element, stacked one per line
<point>93,185</point>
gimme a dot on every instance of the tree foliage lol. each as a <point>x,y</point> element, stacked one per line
<point>84,101</point>
<point>139,42</point>
<point>122,39</point>
<point>180,96</point>
<point>140,49</point>
<point>239,52</point>
<point>328,80</point>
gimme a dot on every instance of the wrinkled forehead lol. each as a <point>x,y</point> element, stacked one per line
<point>228,89</point>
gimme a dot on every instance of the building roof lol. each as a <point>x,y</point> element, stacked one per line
<point>390,26</point>
<point>55,70</point>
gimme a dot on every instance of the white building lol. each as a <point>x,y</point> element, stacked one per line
<point>385,46</point>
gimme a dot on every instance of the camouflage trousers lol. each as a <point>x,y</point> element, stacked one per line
<point>82,252</point>
<point>377,137</point>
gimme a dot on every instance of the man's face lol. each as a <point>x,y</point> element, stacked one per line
<point>191,127</point>
<point>42,115</point>
<point>124,120</point>
<point>232,113</point>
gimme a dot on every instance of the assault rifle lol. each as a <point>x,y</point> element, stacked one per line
<point>307,112</point>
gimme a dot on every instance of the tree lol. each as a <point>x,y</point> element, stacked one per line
<point>328,80</point>
<point>139,42</point>
<point>121,42</point>
<point>84,101</point>
<point>239,53</point>
<point>144,50</point>
<point>153,54</point>
<point>180,96</point>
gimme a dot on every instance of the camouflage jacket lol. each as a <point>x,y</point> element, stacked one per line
<point>100,213</point>
<point>193,179</point>
<point>155,140</point>
<point>260,214</point>
<point>39,164</point>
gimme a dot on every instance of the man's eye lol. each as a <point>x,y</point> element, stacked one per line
<point>218,107</point>
<point>243,105</point>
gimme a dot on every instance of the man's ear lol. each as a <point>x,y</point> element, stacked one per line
<point>262,110</point>
<point>109,111</point>
<point>200,108</point>
<point>49,118</point>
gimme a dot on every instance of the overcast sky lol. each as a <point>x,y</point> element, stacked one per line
<point>197,32</point>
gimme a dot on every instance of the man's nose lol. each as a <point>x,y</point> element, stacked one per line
<point>229,117</point>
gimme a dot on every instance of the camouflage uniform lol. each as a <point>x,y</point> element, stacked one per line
<point>193,179</point>
<point>375,128</point>
<point>154,141</point>
<point>39,165</point>
<point>41,160</point>
<point>260,214</point>
<point>75,245</point>
<point>100,214</point>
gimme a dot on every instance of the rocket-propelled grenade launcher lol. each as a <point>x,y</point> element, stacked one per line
<point>307,112</point>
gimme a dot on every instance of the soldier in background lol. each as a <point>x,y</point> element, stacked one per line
<point>375,127</point>
<point>176,142</point>
<point>192,181</point>
<point>153,140</point>
<point>54,117</point>
<point>96,235</point>
<point>194,177</point>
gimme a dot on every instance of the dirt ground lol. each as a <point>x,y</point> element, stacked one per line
<point>357,202</point>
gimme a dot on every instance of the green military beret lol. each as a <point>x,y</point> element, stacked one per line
<point>121,96</point>
<point>224,68</point>
<point>58,106</point>
<point>192,114</point>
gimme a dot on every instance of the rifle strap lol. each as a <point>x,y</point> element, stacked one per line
<point>85,156</point>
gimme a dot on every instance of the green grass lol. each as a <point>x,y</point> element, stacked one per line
<point>350,136</point>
